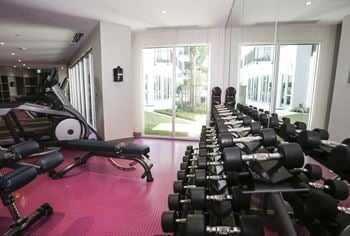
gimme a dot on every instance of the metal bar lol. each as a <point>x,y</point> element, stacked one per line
<point>282,214</point>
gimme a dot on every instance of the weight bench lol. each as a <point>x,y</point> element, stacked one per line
<point>137,153</point>
<point>22,175</point>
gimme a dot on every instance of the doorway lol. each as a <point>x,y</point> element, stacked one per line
<point>295,80</point>
<point>175,90</point>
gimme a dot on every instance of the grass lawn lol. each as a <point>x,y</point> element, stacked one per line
<point>298,117</point>
<point>180,114</point>
<point>154,119</point>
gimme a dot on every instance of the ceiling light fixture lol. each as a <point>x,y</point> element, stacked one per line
<point>62,68</point>
<point>24,49</point>
<point>308,3</point>
<point>13,54</point>
<point>14,66</point>
<point>28,68</point>
<point>164,11</point>
<point>2,43</point>
<point>24,64</point>
<point>19,60</point>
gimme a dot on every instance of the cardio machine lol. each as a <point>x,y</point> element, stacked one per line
<point>70,130</point>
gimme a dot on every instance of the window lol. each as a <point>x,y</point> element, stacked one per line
<point>81,88</point>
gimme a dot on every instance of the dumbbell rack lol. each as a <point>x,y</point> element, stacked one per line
<point>336,189</point>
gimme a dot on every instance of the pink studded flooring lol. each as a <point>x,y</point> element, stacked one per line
<point>98,199</point>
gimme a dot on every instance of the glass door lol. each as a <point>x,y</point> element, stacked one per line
<point>256,70</point>
<point>158,91</point>
<point>295,82</point>
<point>176,90</point>
<point>191,89</point>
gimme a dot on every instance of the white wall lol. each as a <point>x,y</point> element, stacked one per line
<point>111,47</point>
<point>117,96</point>
<point>339,125</point>
<point>325,35</point>
<point>214,37</point>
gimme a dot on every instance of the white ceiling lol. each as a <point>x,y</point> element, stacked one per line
<point>252,12</point>
<point>46,27</point>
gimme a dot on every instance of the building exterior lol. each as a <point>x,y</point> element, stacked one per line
<point>296,71</point>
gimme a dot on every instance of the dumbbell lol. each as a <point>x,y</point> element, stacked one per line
<point>313,139</point>
<point>339,159</point>
<point>195,224</point>
<point>180,186</point>
<point>175,201</point>
<point>253,128</point>
<point>290,156</point>
<point>201,153</point>
<point>286,130</point>
<point>274,121</point>
<point>323,206</point>
<point>267,138</point>
<point>200,163</point>
<point>311,171</point>
<point>245,121</point>
<point>337,189</point>
<point>238,199</point>
<point>200,177</point>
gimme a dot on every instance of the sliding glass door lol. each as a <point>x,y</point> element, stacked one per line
<point>158,91</point>
<point>293,83</point>
<point>175,90</point>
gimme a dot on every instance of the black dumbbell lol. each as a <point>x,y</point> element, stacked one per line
<point>286,130</point>
<point>267,138</point>
<point>324,133</point>
<point>200,163</point>
<point>195,224</point>
<point>253,128</point>
<point>175,201</point>
<point>290,156</point>
<point>245,121</point>
<point>313,139</point>
<point>323,206</point>
<point>200,177</point>
<point>339,159</point>
<point>337,189</point>
<point>180,186</point>
<point>312,172</point>
<point>238,199</point>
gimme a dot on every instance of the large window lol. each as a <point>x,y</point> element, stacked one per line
<point>294,82</point>
<point>81,88</point>
<point>176,90</point>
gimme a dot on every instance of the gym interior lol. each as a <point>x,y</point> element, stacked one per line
<point>175,117</point>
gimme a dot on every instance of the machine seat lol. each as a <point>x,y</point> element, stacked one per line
<point>99,146</point>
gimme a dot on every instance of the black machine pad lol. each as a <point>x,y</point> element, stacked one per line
<point>99,146</point>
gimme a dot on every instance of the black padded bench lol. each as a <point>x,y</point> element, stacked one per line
<point>98,146</point>
<point>137,153</point>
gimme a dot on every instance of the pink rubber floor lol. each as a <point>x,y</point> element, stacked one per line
<point>98,199</point>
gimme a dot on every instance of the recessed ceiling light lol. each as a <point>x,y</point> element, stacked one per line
<point>24,64</point>
<point>19,60</point>
<point>308,3</point>
<point>14,66</point>
<point>12,53</point>
<point>164,11</point>
<point>2,43</point>
<point>28,68</point>
<point>24,49</point>
<point>62,68</point>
